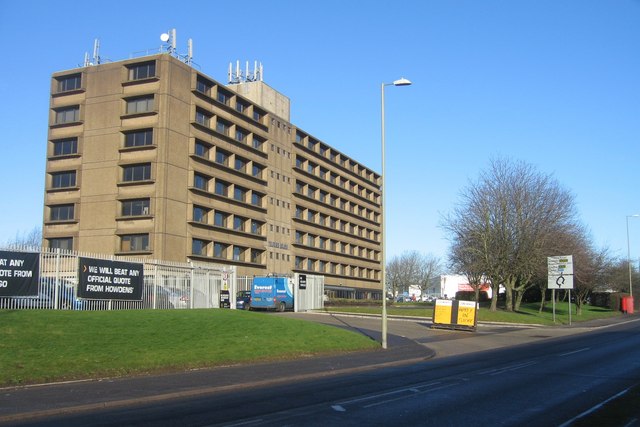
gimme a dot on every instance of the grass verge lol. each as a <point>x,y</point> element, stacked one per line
<point>528,313</point>
<point>45,345</point>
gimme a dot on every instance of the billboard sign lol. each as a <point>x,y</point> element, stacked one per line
<point>19,274</point>
<point>104,279</point>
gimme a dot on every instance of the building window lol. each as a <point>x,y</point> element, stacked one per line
<point>64,147</point>
<point>322,196</point>
<point>222,157</point>
<point>241,135</point>
<point>240,164</point>
<point>256,256</point>
<point>220,219</point>
<point>223,127</point>
<point>256,227</point>
<point>204,86</point>
<point>299,212</point>
<point>311,215</point>
<point>203,118</point>
<point>61,212</point>
<point>142,104</point>
<point>138,138</point>
<point>63,179</point>
<point>200,214</point>
<point>67,115</point>
<point>199,247</point>
<point>311,240</point>
<point>68,83</point>
<point>299,237</point>
<point>310,263</point>
<point>140,172</point>
<point>257,115</point>
<point>142,71</point>
<point>238,223</point>
<point>201,181</point>
<point>202,149</point>
<point>134,243</point>
<point>256,199</point>
<point>219,250</point>
<point>136,207</point>
<point>239,193</point>
<point>238,253</point>
<point>62,243</point>
<point>256,170</point>
<point>223,97</point>
<point>241,107</point>
<point>222,188</point>
<point>257,142</point>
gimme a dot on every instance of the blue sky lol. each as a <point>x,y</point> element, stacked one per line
<point>552,82</point>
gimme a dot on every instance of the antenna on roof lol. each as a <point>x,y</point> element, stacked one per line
<point>171,46</point>
<point>248,75</point>
<point>96,55</point>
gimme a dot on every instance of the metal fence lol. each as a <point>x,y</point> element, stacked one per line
<point>167,285</point>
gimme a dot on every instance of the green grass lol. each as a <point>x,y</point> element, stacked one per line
<point>528,313</point>
<point>45,345</point>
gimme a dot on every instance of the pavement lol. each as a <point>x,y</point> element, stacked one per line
<point>410,340</point>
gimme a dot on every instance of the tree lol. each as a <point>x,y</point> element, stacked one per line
<point>412,269</point>
<point>504,225</point>
<point>33,238</point>
<point>429,268</point>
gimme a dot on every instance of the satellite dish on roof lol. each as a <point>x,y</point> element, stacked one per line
<point>164,37</point>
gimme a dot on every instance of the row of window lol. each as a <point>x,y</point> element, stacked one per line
<point>135,138</point>
<point>335,157</point>
<point>228,159</point>
<point>226,97</point>
<point>222,188</point>
<point>325,220</point>
<point>128,243</point>
<point>130,173</point>
<point>337,246</point>
<point>218,218</point>
<point>335,179</point>
<point>321,266</point>
<point>136,105</point>
<point>225,251</point>
<point>324,197</point>
<point>228,129</point>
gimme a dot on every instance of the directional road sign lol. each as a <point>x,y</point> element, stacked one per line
<point>560,272</point>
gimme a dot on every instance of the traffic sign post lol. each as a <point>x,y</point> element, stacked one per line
<point>560,276</point>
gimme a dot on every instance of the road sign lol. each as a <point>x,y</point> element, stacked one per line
<point>560,272</point>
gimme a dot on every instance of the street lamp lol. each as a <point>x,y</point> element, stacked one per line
<point>401,82</point>
<point>629,253</point>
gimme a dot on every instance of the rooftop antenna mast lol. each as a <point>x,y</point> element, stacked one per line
<point>96,54</point>
<point>238,76</point>
<point>171,46</point>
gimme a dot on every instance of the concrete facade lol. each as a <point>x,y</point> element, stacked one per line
<point>151,157</point>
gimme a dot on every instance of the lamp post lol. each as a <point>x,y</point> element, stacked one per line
<point>629,253</point>
<point>401,82</point>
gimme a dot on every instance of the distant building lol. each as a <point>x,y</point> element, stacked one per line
<point>151,157</point>
<point>452,283</point>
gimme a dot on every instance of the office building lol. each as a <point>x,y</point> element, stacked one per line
<point>150,157</point>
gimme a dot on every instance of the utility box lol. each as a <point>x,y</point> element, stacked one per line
<point>627,304</point>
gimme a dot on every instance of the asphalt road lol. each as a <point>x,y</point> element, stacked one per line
<point>496,376</point>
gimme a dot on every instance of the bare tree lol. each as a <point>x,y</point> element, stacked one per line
<point>33,238</point>
<point>504,224</point>
<point>412,269</point>
<point>428,269</point>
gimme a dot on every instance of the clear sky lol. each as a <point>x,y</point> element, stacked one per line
<point>552,82</point>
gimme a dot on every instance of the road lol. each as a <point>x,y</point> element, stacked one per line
<point>547,382</point>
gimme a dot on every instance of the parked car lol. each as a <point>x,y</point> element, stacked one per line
<point>46,298</point>
<point>243,300</point>
<point>156,297</point>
